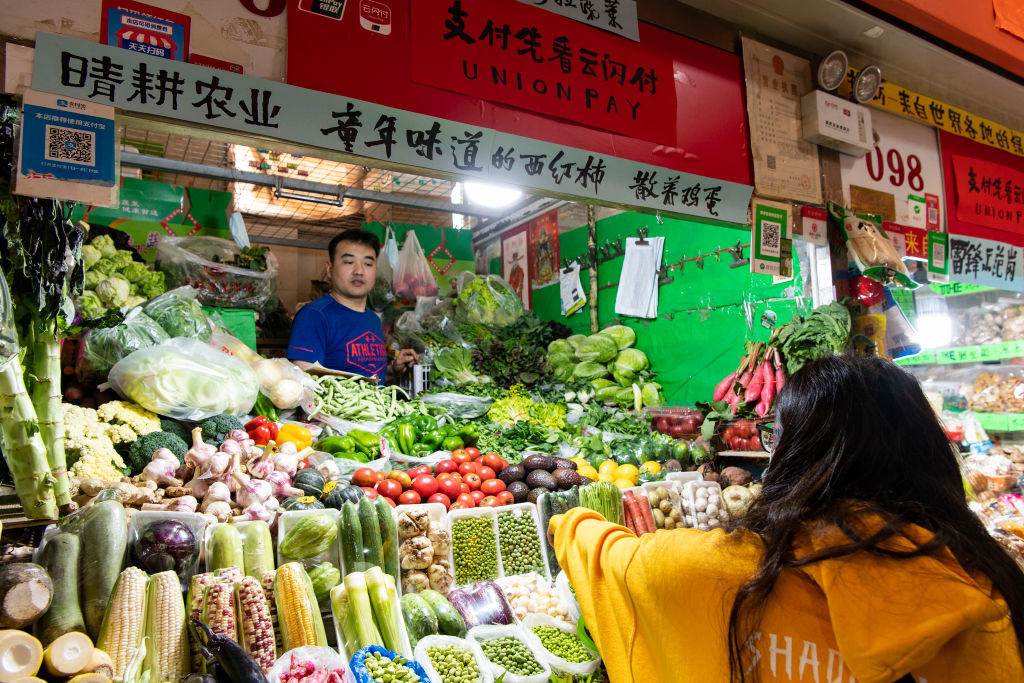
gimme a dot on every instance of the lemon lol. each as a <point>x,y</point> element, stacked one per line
<point>624,483</point>
<point>588,472</point>
<point>650,467</point>
<point>627,472</point>
<point>604,476</point>
<point>580,462</point>
<point>607,467</point>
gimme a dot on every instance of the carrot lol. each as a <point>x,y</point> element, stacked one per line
<point>635,513</point>
<point>645,513</point>
<point>628,515</point>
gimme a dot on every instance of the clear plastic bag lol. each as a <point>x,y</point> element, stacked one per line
<point>388,259</point>
<point>461,406</point>
<point>102,347</point>
<point>422,656</point>
<point>185,379</point>
<point>222,340</point>
<point>191,261</point>
<point>179,313</point>
<point>380,297</point>
<point>413,275</point>
<point>557,663</point>
<point>481,634</point>
<point>488,300</point>
<point>283,382</point>
<point>320,657</point>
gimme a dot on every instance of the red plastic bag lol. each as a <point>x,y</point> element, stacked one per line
<point>413,276</point>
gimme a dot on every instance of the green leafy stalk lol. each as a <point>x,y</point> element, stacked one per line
<point>46,395</point>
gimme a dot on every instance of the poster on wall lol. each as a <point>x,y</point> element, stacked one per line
<point>515,266</point>
<point>146,29</point>
<point>904,168</point>
<point>785,166</point>
<point>989,194</point>
<point>545,253</point>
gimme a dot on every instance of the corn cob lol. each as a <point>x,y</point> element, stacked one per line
<point>121,632</point>
<point>254,625</point>
<point>219,610</point>
<point>230,574</point>
<point>297,611</point>
<point>167,649</point>
<point>267,583</point>
<point>196,590</point>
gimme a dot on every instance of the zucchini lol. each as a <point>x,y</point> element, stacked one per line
<point>257,548</point>
<point>371,533</point>
<point>420,620</point>
<point>449,621</point>
<point>388,539</point>
<point>102,540</point>
<point>225,549</point>
<point>351,538</point>
<point>59,557</point>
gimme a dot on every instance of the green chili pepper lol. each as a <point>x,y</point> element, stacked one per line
<point>406,438</point>
<point>452,443</point>
<point>336,444</point>
<point>264,406</point>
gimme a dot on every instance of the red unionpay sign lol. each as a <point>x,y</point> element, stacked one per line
<point>543,62</point>
<point>989,194</point>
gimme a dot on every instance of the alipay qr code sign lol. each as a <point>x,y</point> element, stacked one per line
<point>67,149</point>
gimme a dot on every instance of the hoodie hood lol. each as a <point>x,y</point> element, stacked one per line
<point>929,600</point>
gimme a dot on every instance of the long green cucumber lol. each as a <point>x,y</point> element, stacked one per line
<point>388,538</point>
<point>59,557</point>
<point>225,549</point>
<point>351,538</point>
<point>103,539</point>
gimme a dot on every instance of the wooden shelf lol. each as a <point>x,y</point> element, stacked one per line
<point>748,455</point>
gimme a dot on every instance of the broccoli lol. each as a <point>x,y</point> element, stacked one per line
<point>113,291</point>
<point>142,450</point>
<point>105,244</point>
<point>216,428</point>
<point>176,428</point>
<point>90,255</point>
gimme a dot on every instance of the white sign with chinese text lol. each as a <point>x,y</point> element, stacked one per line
<point>977,261</point>
<point>616,16</point>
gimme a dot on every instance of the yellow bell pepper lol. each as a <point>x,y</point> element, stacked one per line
<point>296,434</point>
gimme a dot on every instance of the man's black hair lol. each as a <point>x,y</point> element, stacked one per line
<point>358,236</point>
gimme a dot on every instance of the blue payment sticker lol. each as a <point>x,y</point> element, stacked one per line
<point>64,143</point>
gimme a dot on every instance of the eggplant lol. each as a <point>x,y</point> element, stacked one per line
<point>233,661</point>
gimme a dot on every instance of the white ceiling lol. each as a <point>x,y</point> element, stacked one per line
<point>819,26</point>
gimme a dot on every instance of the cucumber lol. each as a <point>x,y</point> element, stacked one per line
<point>351,538</point>
<point>449,621</point>
<point>224,549</point>
<point>59,557</point>
<point>102,543</point>
<point>388,538</point>
<point>371,533</point>
<point>257,548</point>
<point>420,620</point>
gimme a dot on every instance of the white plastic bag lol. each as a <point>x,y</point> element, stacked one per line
<point>554,661</point>
<point>421,656</point>
<point>413,275</point>
<point>480,634</point>
<point>321,657</point>
<point>283,382</point>
<point>185,379</point>
<point>388,260</point>
<point>564,591</point>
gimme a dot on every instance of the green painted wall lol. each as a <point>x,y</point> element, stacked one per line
<point>698,336</point>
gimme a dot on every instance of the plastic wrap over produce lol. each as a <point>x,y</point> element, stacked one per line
<point>308,664</point>
<point>202,263</point>
<point>374,663</point>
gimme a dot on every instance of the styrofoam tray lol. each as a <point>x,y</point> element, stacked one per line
<point>530,509</point>
<point>438,514</point>
<point>469,513</point>
<point>480,634</point>
<point>683,477</point>
<point>675,493</point>
<point>554,661</point>
<point>288,519</point>
<point>210,528</point>
<point>194,521</point>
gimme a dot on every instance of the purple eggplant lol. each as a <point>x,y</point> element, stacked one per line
<point>232,660</point>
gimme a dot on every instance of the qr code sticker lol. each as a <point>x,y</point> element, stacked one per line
<point>933,215</point>
<point>771,236</point>
<point>938,255</point>
<point>70,145</point>
<point>770,161</point>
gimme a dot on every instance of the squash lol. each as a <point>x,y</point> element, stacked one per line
<point>309,481</point>
<point>337,492</point>
<point>301,503</point>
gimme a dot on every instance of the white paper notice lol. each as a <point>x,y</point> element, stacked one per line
<point>637,295</point>
<point>571,290</point>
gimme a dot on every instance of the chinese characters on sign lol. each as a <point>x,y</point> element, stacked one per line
<point>977,261</point>
<point>143,28</point>
<point>617,16</point>
<point>139,83</point>
<point>989,194</point>
<point>784,165</point>
<point>504,52</point>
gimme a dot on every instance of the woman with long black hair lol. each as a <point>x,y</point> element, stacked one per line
<point>858,561</point>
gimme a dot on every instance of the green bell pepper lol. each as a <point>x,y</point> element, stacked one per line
<point>433,438</point>
<point>421,450</point>
<point>336,444</point>
<point>367,443</point>
<point>469,433</point>
<point>406,438</point>
<point>452,443</point>
<point>423,423</point>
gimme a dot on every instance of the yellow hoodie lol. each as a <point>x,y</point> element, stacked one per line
<point>658,609</point>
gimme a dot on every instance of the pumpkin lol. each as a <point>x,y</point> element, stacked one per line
<point>337,492</point>
<point>301,503</point>
<point>309,481</point>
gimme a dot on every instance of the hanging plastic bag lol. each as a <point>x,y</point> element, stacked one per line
<point>203,263</point>
<point>103,347</point>
<point>870,248</point>
<point>178,312</point>
<point>413,275</point>
<point>488,300</point>
<point>283,382</point>
<point>388,259</point>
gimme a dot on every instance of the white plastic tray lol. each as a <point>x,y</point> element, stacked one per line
<point>438,514</point>
<point>683,477</point>
<point>554,661</point>
<point>480,634</point>
<point>443,641</point>
<point>469,513</point>
<point>194,521</point>
<point>530,509</point>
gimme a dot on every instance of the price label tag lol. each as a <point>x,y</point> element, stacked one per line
<point>970,354</point>
<point>926,357</point>
<point>993,421</point>
<point>946,356</point>
<point>990,352</point>
<point>1015,348</point>
<point>1014,422</point>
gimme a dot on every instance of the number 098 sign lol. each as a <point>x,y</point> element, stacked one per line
<point>905,163</point>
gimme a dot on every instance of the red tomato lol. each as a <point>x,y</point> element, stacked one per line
<point>410,498</point>
<point>389,501</point>
<point>457,476</point>
<point>754,443</point>
<point>364,476</point>
<point>425,485</point>
<point>444,475</point>
<point>676,431</point>
<point>492,487</point>
<point>490,502</point>
<point>728,434</point>
<point>402,478</point>
<point>440,498</point>
<point>389,488</point>
<point>505,498</point>
<point>459,455</point>
<point>464,488</point>
<point>465,500</point>
<point>494,461</point>
<point>486,473</point>
<point>472,452</point>
<point>449,487</point>
<point>477,496</point>
<point>663,424</point>
<point>380,476</point>
<point>473,481</point>
<point>458,506</point>
<point>417,471</point>
<point>469,467</point>
<point>446,466</point>
<point>370,493</point>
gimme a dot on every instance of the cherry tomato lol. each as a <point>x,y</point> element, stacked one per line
<point>402,478</point>
<point>490,502</point>
<point>425,485</point>
<point>417,471</point>
<point>477,496</point>
<point>728,434</point>
<point>440,498</point>
<point>446,466</point>
<point>364,476</point>
<point>449,487</point>
<point>506,498</point>
<point>494,461</point>
<point>389,488</point>
<point>676,431</point>
<point>492,487</point>
<point>469,467</point>
<point>459,455</point>
<point>473,481</point>
<point>459,506</point>
<point>410,498</point>
<point>465,500</point>
<point>486,473</point>
<point>472,452</point>
<point>370,493</point>
<point>754,443</point>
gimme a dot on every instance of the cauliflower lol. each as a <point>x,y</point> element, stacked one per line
<point>113,292</point>
<point>90,306</point>
<point>135,416</point>
<point>82,423</point>
<point>135,271</point>
<point>90,255</point>
<point>105,244</point>
<point>88,446</point>
<point>121,433</point>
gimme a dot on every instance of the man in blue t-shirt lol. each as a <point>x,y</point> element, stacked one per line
<point>336,330</point>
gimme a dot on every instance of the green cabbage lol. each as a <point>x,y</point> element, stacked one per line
<point>575,340</point>
<point>135,271</point>
<point>624,397</point>
<point>179,315</point>
<point>589,370</point>
<point>601,383</point>
<point>561,346</point>
<point>607,394</point>
<point>561,359</point>
<point>630,362</point>
<point>103,347</point>
<point>93,278</point>
<point>90,255</point>
<point>651,394</point>
<point>624,336</point>
<point>562,373</point>
<point>113,292</point>
<point>597,347</point>
<point>105,244</point>
<point>90,306</point>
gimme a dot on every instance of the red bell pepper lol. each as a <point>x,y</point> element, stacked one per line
<point>261,430</point>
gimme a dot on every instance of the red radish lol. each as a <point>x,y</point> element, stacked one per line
<point>757,382</point>
<point>761,409</point>
<point>780,373</point>
<point>724,386</point>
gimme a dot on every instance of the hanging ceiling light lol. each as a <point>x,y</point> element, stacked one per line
<point>867,84</point>
<point>832,70</point>
<point>491,195</point>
